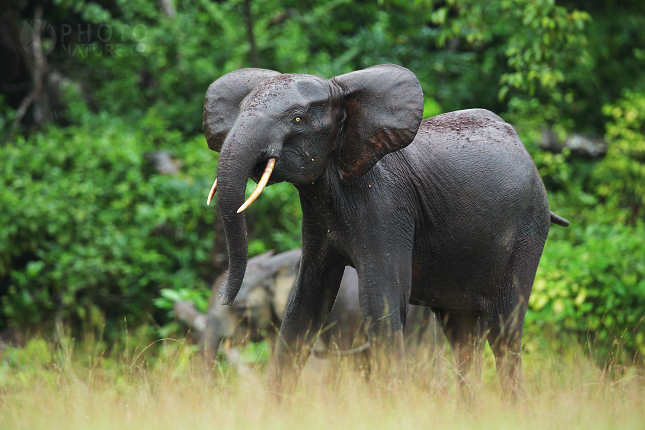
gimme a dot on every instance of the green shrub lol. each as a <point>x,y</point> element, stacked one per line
<point>591,284</point>
<point>90,231</point>
<point>620,178</point>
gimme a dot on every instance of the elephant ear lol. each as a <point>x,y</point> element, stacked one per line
<point>383,106</point>
<point>223,99</point>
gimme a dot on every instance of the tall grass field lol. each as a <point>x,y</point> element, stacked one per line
<point>164,385</point>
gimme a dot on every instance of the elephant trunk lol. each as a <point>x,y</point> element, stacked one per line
<point>239,155</point>
<point>232,175</point>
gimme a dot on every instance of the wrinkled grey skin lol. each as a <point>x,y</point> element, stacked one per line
<point>449,213</point>
<point>259,308</point>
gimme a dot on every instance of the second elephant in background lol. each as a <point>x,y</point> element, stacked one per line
<point>260,305</point>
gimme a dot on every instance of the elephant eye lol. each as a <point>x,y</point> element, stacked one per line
<point>298,119</point>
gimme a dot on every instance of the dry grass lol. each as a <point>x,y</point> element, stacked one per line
<point>169,390</point>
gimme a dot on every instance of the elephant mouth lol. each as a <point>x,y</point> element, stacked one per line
<point>258,169</point>
<point>264,179</point>
<point>261,184</point>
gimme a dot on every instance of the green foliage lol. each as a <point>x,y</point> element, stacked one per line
<point>621,175</point>
<point>168,297</point>
<point>615,41</point>
<point>91,231</point>
<point>540,61</point>
<point>6,116</point>
<point>19,365</point>
<point>541,41</point>
<point>158,65</point>
<point>275,219</point>
<point>555,169</point>
<point>592,284</point>
<point>453,49</point>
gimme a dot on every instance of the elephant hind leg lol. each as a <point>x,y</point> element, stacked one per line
<point>506,321</point>
<point>466,333</point>
<point>505,339</point>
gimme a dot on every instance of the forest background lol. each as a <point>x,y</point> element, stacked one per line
<point>104,169</point>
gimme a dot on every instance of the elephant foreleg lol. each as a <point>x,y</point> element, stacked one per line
<point>311,300</point>
<point>384,291</point>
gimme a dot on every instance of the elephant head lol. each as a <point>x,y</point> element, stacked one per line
<point>297,127</point>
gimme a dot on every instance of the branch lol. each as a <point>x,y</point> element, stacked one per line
<point>38,70</point>
<point>168,8</point>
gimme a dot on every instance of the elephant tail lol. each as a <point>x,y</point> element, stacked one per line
<point>558,220</point>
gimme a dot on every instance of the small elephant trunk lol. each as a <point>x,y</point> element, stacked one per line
<point>212,337</point>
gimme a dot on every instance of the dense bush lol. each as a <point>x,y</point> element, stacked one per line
<point>591,279</point>
<point>90,230</point>
<point>591,284</point>
<point>620,177</point>
<point>463,55</point>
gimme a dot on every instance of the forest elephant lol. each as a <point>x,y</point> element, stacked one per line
<point>259,309</point>
<point>449,212</point>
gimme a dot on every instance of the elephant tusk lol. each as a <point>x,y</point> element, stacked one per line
<point>263,181</point>
<point>212,193</point>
